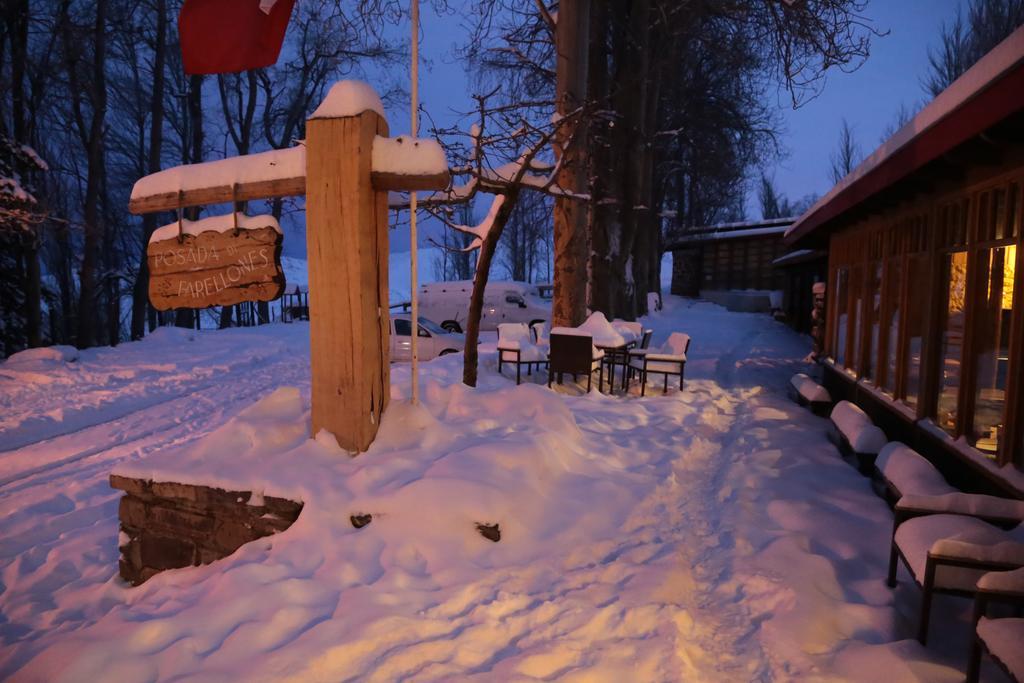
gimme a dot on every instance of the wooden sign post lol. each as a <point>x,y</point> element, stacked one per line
<point>346,241</point>
<point>347,248</point>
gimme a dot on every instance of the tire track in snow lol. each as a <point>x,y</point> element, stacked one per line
<point>196,409</point>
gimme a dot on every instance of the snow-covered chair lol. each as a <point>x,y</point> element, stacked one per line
<point>905,472</point>
<point>1002,639</point>
<point>668,360</point>
<point>602,332</point>
<point>810,394</point>
<point>630,331</point>
<point>947,542</point>
<point>856,436</point>
<point>516,347</point>
<point>573,352</point>
<point>542,335</point>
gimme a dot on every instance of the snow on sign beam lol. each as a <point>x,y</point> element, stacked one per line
<point>345,169</point>
<point>399,164</point>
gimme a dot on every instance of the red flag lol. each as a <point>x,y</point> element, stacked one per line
<point>222,36</point>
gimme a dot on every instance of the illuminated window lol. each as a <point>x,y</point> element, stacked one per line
<point>994,307</point>
<point>954,292</point>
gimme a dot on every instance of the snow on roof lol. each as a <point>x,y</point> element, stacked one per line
<point>726,233</point>
<point>408,156</point>
<point>276,164</point>
<point>221,223</point>
<point>798,256</point>
<point>349,98</point>
<point>1004,58</point>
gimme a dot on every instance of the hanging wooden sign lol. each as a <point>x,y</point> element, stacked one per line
<point>211,262</point>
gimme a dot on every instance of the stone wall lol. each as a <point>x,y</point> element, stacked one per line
<point>166,525</point>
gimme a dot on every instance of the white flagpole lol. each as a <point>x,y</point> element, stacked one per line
<point>413,280</point>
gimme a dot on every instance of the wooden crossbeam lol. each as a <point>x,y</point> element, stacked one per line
<point>219,194</point>
<point>274,188</point>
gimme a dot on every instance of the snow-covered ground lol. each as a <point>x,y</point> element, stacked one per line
<point>710,534</point>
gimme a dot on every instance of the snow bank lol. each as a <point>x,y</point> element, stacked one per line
<point>218,223</point>
<point>709,535</point>
<point>809,389</point>
<point>408,156</point>
<point>349,98</point>
<point>276,164</point>
<point>44,354</point>
<point>862,435</point>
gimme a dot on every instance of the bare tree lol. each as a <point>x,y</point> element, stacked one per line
<point>88,96</point>
<point>963,41</point>
<point>484,165</point>
<point>847,154</point>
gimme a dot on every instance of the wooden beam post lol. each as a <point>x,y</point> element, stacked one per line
<point>347,245</point>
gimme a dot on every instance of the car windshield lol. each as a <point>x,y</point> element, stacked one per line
<point>431,326</point>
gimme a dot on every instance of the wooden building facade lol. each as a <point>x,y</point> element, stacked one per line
<point>925,300</point>
<point>728,258</point>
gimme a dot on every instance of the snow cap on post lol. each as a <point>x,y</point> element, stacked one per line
<point>349,98</point>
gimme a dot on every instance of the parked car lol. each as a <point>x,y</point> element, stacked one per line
<point>504,302</point>
<point>433,341</point>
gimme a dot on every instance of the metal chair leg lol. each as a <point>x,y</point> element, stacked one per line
<point>974,658</point>
<point>893,559</point>
<point>926,601</point>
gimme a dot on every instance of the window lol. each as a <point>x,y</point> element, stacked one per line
<point>856,320</point>
<point>890,323</point>
<point>994,307</point>
<point>842,317</point>
<point>954,296</point>
<point>403,328</point>
<point>916,318</point>
<point>874,314</point>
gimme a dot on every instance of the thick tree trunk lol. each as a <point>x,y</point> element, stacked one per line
<point>599,170</point>
<point>476,299</point>
<point>140,288</point>
<point>569,306</point>
<point>93,227</point>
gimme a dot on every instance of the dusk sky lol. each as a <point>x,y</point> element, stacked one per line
<point>868,98</point>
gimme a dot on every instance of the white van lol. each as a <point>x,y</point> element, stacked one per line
<point>504,302</point>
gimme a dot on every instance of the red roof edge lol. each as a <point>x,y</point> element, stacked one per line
<point>993,102</point>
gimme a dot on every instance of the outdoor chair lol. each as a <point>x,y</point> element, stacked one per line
<point>809,394</point>
<point>856,436</point>
<point>902,471</point>
<point>948,542</point>
<point>542,335</point>
<point>1002,638</point>
<point>669,361</point>
<point>575,354</point>
<point>516,347</point>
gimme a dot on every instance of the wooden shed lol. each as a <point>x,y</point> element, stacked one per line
<point>731,263</point>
